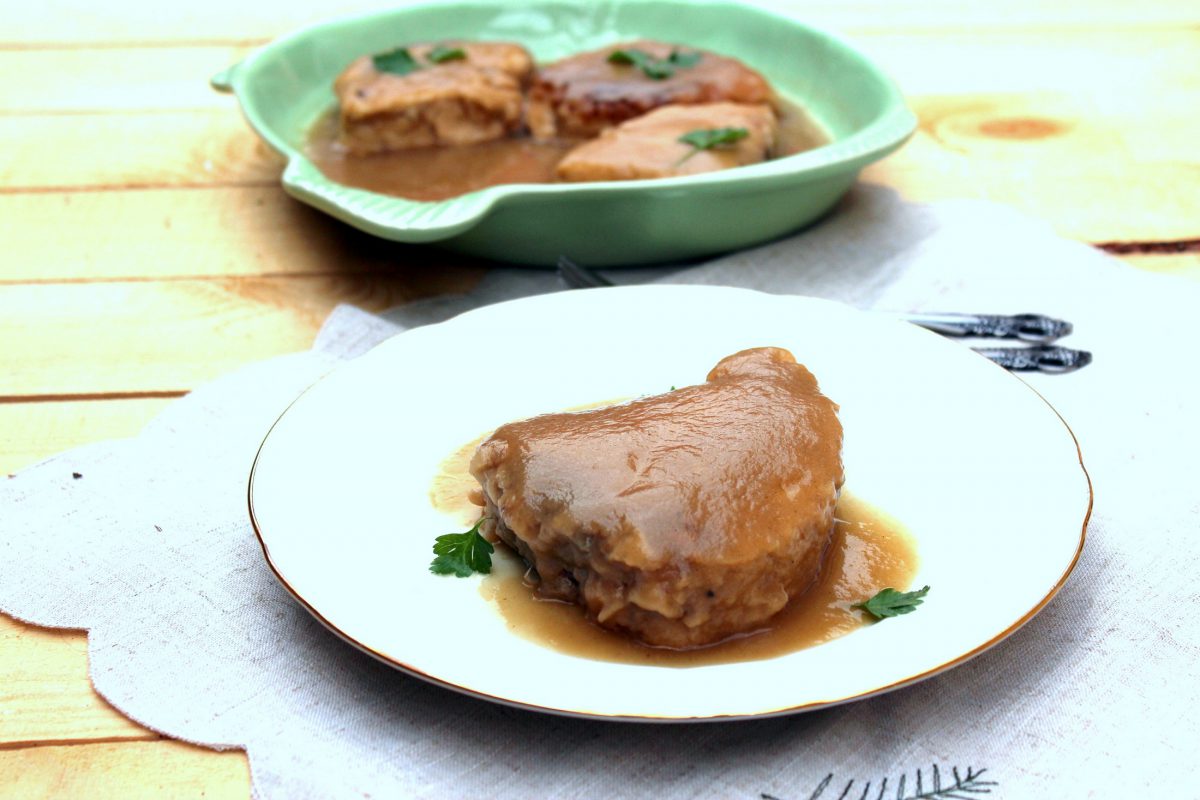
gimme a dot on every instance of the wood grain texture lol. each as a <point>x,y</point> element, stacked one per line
<point>173,233</point>
<point>1108,67</point>
<point>157,770</point>
<point>31,432</point>
<point>45,694</point>
<point>76,21</point>
<point>113,79</point>
<point>1055,161</point>
<point>133,150</point>
<point>169,335</point>
<point>1181,265</point>
<point>1091,130</point>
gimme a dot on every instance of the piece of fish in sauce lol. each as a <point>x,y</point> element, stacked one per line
<point>460,101</point>
<point>650,147</point>
<point>680,519</point>
<point>582,95</point>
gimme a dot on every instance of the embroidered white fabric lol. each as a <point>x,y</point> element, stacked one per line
<point>151,551</point>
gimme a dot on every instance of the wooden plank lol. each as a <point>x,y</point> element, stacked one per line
<point>1112,68</point>
<point>1182,265</point>
<point>80,339</point>
<point>1053,157</point>
<point>109,79</point>
<point>176,149</point>
<point>166,336</point>
<point>187,233</point>
<point>1061,125</point>
<point>76,21</point>
<point>158,770</point>
<point>45,692</point>
<point>30,432</point>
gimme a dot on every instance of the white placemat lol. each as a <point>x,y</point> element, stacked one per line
<point>146,543</point>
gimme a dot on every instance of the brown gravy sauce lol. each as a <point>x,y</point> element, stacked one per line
<point>869,551</point>
<point>438,173</point>
<point>454,490</point>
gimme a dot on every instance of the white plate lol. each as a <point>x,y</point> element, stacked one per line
<point>979,468</point>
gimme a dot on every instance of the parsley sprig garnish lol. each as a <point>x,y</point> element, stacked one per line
<point>708,138</point>
<point>462,553</point>
<point>401,62</point>
<point>658,69</point>
<point>891,603</point>
<point>441,54</point>
<point>397,62</point>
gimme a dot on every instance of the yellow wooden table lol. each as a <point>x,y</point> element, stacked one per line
<point>145,246</point>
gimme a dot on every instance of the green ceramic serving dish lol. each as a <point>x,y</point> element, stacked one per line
<point>287,85</point>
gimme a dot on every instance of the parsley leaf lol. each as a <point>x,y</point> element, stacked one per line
<point>397,62</point>
<point>654,68</point>
<point>462,553</point>
<point>640,59</point>
<point>890,603</point>
<point>401,62</point>
<point>708,138</point>
<point>441,54</point>
<point>684,60</point>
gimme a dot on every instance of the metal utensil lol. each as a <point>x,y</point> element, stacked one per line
<point>1039,358</point>
<point>1034,328</point>
<point>1026,327</point>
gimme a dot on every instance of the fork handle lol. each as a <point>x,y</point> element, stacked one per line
<point>1037,359</point>
<point>1026,327</point>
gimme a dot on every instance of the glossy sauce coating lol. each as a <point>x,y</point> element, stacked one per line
<point>717,473</point>
<point>455,491</point>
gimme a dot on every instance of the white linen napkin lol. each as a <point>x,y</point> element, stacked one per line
<point>150,549</point>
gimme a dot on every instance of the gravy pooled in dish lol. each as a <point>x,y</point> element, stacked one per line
<point>432,121</point>
<point>681,519</point>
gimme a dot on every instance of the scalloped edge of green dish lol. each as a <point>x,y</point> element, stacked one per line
<point>404,220</point>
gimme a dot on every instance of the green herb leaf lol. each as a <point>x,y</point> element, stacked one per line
<point>684,60</point>
<point>890,603</point>
<point>462,553</point>
<point>441,54</point>
<point>397,62</point>
<point>626,57</point>
<point>654,68</point>
<point>708,138</point>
